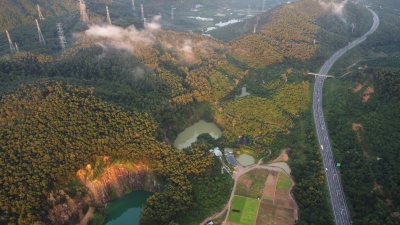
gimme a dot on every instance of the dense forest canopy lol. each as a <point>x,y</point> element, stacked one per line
<point>50,130</point>
<point>366,139</point>
<point>365,136</point>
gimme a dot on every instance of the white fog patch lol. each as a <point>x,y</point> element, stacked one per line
<point>336,8</point>
<point>210,29</point>
<point>183,49</point>
<point>200,18</point>
<point>187,51</point>
<point>223,24</point>
<point>122,38</point>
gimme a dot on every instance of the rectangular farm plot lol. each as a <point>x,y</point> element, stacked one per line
<point>270,214</point>
<point>277,206</point>
<point>270,186</point>
<point>283,182</point>
<point>250,212</point>
<point>251,184</point>
<point>283,199</point>
<point>237,206</point>
<point>243,210</point>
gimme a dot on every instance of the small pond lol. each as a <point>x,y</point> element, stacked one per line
<point>190,134</point>
<point>127,210</point>
<point>246,160</point>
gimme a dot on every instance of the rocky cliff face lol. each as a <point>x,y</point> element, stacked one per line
<point>116,179</point>
<point>105,181</point>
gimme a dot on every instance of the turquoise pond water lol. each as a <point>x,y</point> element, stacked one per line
<point>126,210</point>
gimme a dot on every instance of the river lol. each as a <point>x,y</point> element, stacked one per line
<point>126,210</point>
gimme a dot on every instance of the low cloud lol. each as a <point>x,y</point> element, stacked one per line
<point>334,7</point>
<point>185,47</point>
<point>186,52</point>
<point>128,38</point>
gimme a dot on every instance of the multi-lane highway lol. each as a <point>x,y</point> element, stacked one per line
<point>338,202</point>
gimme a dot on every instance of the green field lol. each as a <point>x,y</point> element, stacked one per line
<point>283,182</point>
<point>247,208</point>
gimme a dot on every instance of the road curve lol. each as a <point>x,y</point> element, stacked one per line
<point>336,194</point>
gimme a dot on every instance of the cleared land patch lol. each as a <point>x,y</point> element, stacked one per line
<point>243,210</point>
<point>262,197</point>
<point>283,182</point>
<point>269,214</point>
<point>277,206</point>
<point>283,157</point>
<point>252,183</point>
<point>270,186</point>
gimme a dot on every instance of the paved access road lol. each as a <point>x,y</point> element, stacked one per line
<point>338,202</point>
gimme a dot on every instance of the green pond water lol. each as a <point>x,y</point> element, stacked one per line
<point>190,134</point>
<point>126,210</point>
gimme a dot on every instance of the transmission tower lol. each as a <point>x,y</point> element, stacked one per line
<point>353,26</point>
<point>133,5</point>
<point>16,47</point>
<point>41,38</point>
<point>172,12</point>
<point>263,5</point>
<point>41,17</point>
<point>82,8</point>
<point>12,48</point>
<point>256,24</point>
<point>60,31</point>
<point>108,16</point>
<point>142,12</point>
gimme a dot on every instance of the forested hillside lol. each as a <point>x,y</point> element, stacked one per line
<point>365,137</point>
<point>365,140</point>
<point>289,33</point>
<point>21,12</point>
<point>50,130</point>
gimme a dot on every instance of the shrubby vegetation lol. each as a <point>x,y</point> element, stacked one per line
<point>289,33</point>
<point>293,98</point>
<point>241,117</point>
<point>263,119</point>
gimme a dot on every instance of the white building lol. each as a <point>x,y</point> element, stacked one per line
<point>216,151</point>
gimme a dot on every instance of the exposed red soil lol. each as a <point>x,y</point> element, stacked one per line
<point>358,87</point>
<point>367,94</point>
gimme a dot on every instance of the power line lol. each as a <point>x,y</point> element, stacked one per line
<point>60,31</point>
<point>41,38</point>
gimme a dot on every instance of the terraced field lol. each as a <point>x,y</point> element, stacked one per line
<point>262,197</point>
<point>277,207</point>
